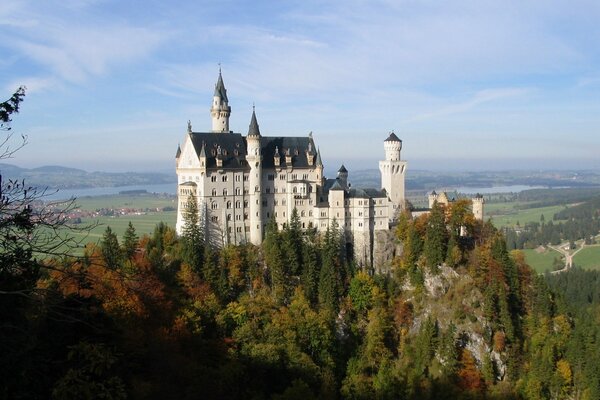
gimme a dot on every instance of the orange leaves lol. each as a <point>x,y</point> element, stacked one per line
<point>469,376</point>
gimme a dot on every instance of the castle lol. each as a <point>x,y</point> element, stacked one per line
<point>241,182</point>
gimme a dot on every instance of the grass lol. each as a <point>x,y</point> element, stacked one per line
<point>541,262</point>
<point>143,224</point>
<point>588,258</point>
<point>508,214</point>
<point>126,201</point>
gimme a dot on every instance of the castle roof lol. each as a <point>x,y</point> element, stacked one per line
<point>366,193</point>
<point>342,169</point>
<point>319,162</point>
<point>178,151</point>
<point>253,129</point>
<point>336,186</point>
<point>232,148</point>
<point>220,90</point>
<point>392,138</point>
<point>296,146</point>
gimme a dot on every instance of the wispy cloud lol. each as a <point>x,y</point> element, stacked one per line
<point>479,98</point>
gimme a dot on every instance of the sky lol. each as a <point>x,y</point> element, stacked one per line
<point>467,85</point>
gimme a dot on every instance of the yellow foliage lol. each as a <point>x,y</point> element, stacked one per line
<point>564,370</point>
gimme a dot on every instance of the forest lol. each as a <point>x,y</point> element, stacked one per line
<point>459,316</point>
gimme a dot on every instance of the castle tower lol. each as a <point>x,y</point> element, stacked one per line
<point>342,176</point>
<point>254,159</point>
<point>478,202</point>
<point>392,173</point>
<point>220,109</point>
<point>433,196</point>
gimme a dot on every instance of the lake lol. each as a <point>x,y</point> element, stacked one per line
<point>497,189</point>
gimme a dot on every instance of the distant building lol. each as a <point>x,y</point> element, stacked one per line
<point>241,182</point>
<point>477,202</point>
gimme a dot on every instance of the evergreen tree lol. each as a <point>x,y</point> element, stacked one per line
<point>436,236</point>
<point>109,247</point>
<point>192,235</point>
<point>330,282</point>
<point>130,241</point>
<point>276,263</point>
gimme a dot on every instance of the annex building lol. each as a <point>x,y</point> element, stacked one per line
<point>242,181</point>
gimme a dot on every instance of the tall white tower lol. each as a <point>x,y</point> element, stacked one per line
<point>220,109</point>
<point>254,159</point>
<point>478,202</point>
<point>392,173</point>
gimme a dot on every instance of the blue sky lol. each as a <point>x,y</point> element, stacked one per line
<point>465,84</point>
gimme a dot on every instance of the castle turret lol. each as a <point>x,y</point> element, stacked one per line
<point>392,173</point>
<point>220,109</point>
<point>254,158</point>
<point>478,202</point>
<point>342,176</point>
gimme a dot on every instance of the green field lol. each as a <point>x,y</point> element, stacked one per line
<point>508,214</point>
<point>130,201</point>
<point>541,262</point>
<point>588,258</point>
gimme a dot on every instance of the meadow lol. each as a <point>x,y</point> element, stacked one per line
<point>542,262</point>
<point>508,214</point>
<point>588,258</point>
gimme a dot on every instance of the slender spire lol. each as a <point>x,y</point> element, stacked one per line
<point>220,90</point>
<point>178,154</point>
<point>319,162</point>
<point>202,151</point>
<point>253,130</point>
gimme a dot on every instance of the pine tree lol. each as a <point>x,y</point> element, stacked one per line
<point>109,246</point>
<point>130,241</point>
<point>329,277</point>
<point>192,235</point>
<point>435,237</point>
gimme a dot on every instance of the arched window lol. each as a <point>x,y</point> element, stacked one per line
<point>224,192</point>
<point>237,204</point>
<point>214,192</point>
<point>214,205</point>
<point>228,205</point>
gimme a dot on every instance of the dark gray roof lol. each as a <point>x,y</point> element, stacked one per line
<point>319,162</point>
<point>328,184</point>
<point>220,89</point>
<point>434,193</point>
<point>231,146</point>
<point>366,193</point>
<point>253,129</point>
<point>178,151</point>
<point>392,138</point>
<point>296,146</point>
<point>336,186</point>
<point>342,169</point>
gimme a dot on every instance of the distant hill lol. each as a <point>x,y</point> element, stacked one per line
<point>58,177</point>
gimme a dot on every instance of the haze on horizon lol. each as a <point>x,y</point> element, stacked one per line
<point>466,85</point>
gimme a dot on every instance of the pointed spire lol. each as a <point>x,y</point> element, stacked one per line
<point>253,130</point>
<point>220,90</point>
<point>342,169</point>
<point>319,162</point>
<point>178,151</point>
<point>202,151</point>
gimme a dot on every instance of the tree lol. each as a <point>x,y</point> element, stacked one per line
<point>130,241</point>
<point>111,252</point>
<point>192,235</point>
<point>436,237</point>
